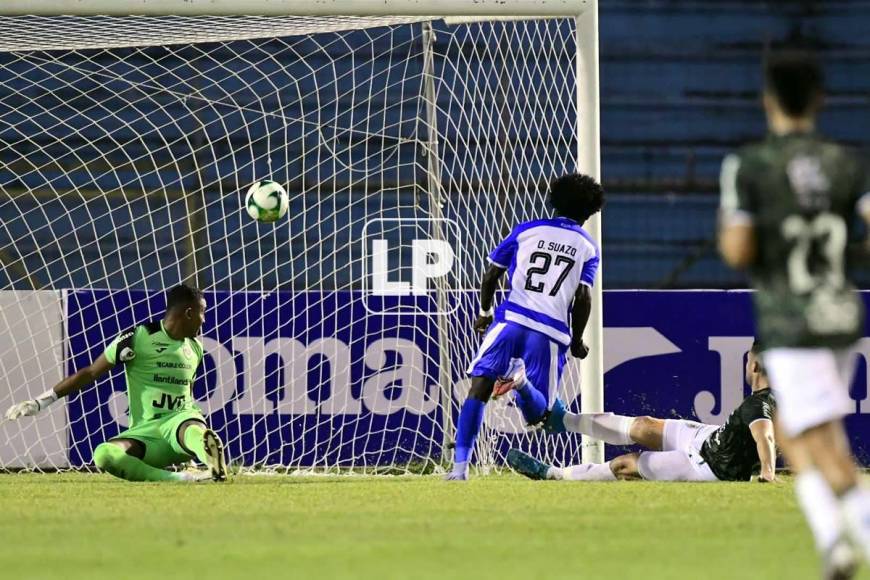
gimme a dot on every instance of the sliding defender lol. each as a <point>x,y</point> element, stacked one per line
<point>679,450</point>
<point>166,428</point>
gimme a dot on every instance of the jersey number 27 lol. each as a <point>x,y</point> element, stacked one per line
<point>542,262</point>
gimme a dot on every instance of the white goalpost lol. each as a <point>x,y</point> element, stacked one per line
<point>129,133</point>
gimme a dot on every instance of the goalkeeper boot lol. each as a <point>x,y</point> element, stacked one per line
<point>215,461</point>
<point>513,379</point>
<point>527,465</point>
<point>554,420</point>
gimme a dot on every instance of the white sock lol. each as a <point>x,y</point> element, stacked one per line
<point>610,428</point>
<point>821,509</point>
<point>856,509</point>
<point>554,473</point>
<point>589,472</point>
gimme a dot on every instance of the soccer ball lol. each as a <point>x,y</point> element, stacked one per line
<point>267,201</point>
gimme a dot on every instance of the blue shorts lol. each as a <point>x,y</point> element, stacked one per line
<point>504,341</point>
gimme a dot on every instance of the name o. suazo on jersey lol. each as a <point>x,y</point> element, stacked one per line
<point>558,247</point>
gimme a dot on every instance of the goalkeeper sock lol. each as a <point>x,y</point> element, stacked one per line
<point>470,419</point>
<point>589,472</point>
<point>610,428</point>
<point>193,441</point>
<point>531,402</point>
<point>112,459</point>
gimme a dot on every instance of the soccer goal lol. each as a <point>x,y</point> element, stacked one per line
<point>129,133</point>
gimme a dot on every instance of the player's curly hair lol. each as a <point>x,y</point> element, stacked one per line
<point>182,296</point>
<point>576,196</point>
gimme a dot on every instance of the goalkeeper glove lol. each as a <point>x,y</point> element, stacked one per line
<point>31,408</point>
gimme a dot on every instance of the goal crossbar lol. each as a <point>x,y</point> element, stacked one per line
<point>295,7</point>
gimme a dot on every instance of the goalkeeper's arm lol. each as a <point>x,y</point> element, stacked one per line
<point>71,384</point>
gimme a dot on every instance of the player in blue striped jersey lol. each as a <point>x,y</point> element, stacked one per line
<point>551,265</point>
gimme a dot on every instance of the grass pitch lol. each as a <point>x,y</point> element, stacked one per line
<point>93,526</point>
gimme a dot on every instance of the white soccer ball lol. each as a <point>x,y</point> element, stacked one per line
<point>267,201</point>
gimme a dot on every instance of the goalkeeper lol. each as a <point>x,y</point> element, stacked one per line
<point>160,360</point>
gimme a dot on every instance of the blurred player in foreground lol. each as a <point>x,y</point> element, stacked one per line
<point>680,450</point>
<point>160,360</point>
<point>551,265</point>
<point>787,210</point>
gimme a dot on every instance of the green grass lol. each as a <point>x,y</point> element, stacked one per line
<point>92,526</point>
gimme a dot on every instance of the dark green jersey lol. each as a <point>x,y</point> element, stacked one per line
<point>800,192</point>
<point>730,450</point>
<point>159,370</point>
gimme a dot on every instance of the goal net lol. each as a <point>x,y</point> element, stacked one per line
<point>126,147</point>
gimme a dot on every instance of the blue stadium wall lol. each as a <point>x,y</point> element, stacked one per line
<point>679,88</point>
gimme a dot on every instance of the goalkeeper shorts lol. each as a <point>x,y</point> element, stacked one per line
<point>160,437</point>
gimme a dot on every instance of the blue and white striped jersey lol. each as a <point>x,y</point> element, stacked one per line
<point>546,260</point>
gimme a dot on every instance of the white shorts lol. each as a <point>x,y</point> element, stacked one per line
<point>680,458</point>
<point>811,385</point>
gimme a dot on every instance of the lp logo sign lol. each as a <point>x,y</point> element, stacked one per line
<point>411,265</point>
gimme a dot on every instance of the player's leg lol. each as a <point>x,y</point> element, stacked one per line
<point>197,440</point>
<point>608,427</point>
<point>648,431</point>
<point>811,386</point>
<point>827,448</point>
<point>821,509</point>
<point>468,424</point>
<point>188,437</point>
<point>123,458</point>
<point>534,375</point>
<point>544,362</point>
<point>676,465</point>
<point>649,465</point>
<point>492,361</point>
<point>625,466</point>
<point>616,429</point>
<point>611,428</point>
<point>532,401</point>
<point>680,460</point>
<point>525,464</point>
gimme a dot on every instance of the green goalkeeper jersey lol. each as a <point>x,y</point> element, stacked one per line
<point>800,192</point>
<point>159,370</point>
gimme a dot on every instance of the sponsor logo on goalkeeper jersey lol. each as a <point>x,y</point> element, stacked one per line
<point>169,402</point>
<point>173,365</point>
<point>169,380</point>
